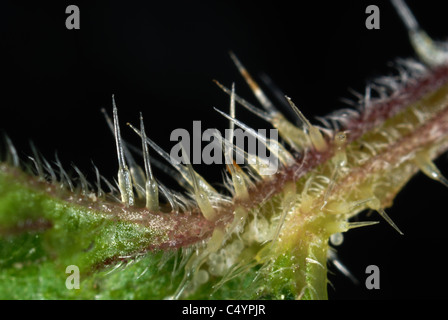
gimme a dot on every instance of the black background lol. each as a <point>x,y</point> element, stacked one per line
<point>160,59</point>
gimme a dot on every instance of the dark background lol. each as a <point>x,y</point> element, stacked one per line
<point>160,59</point>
